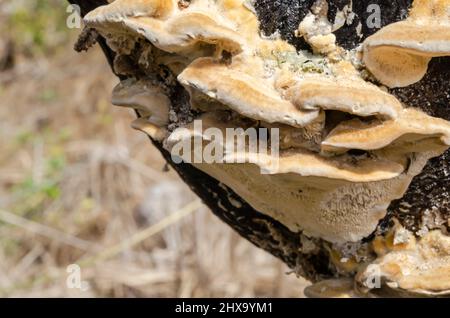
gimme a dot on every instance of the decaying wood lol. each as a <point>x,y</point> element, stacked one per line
<point>432,94</point>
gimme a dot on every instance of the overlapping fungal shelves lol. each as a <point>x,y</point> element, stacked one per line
<point>348,146</point>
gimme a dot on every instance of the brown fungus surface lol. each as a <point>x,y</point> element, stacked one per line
<point>348,147</point>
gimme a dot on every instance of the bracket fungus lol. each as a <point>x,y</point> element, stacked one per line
<point>411,126</point>
<point>249,96</point>
<point>398,54</point>
<point>170,29</point>
<point>352,96</point>
<point>411,267</point>
<point>348,147</point>
<point>145,97</point>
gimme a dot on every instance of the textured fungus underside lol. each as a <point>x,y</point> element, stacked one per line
<point>317,259</point>
<point>261,230</point>
<point>431,188</point>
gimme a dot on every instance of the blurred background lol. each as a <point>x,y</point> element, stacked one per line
<point>78,186</point>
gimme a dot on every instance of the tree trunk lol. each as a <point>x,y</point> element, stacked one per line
<point>432,94</point>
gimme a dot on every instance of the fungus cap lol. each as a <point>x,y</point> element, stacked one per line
<point>166,28</point>
<point>413,125</point>
<point>247,95</point>
<point>353,96</point>
<point>420,269</point>
<point>145,97</point>
<point>398,54</point>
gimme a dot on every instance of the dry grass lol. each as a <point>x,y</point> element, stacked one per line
<point>77,185</point>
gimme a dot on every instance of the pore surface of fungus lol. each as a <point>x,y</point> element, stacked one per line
<point>347,147</point>
<point>398,54</point>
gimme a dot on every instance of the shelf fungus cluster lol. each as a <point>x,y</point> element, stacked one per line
<point>347,147</point>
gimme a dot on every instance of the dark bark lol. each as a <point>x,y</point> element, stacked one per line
<point>258,228</point>
<point>432,94</point>
<point>284,16</point>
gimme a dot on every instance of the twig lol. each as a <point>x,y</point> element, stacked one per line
<point>47,231</point>
<point>110,252</point>
<point>142,235</point>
